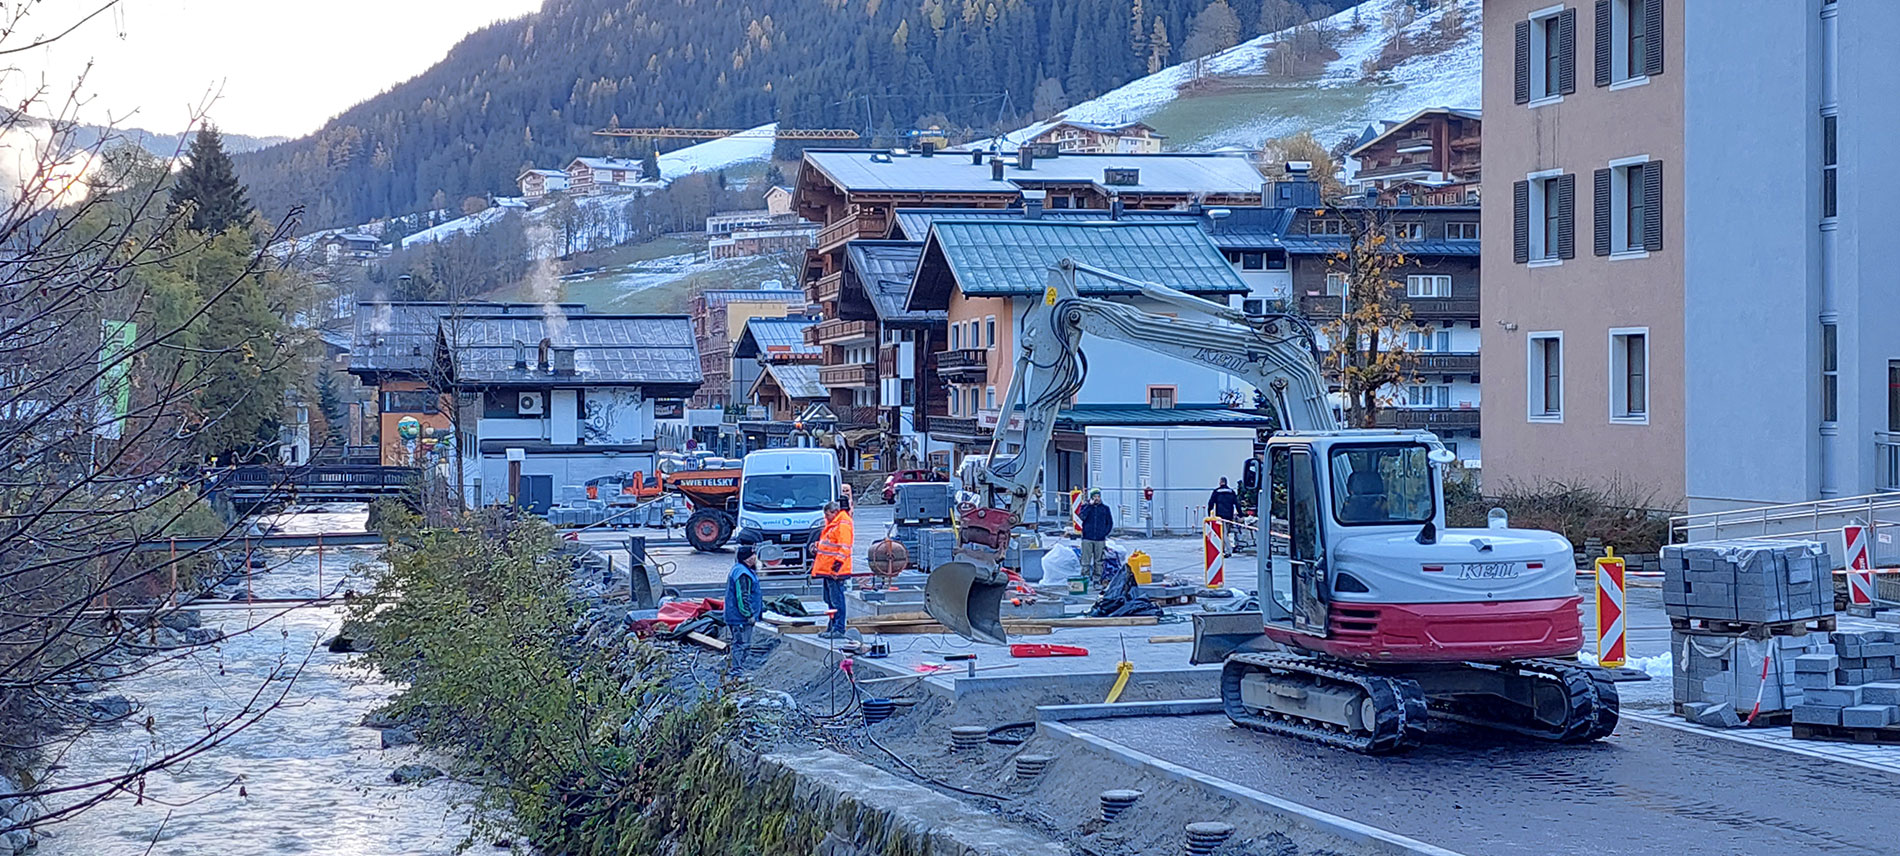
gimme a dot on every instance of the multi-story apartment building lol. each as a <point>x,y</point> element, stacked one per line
<point>1721,331</point>
<point>854,194</point>
<point>719,316</point>
<point>1433,157</point>
<point>1093,138</point>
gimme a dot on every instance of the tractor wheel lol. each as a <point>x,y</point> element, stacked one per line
<point>707,530</point>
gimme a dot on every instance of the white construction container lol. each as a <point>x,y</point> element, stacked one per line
<point>1182,464</point>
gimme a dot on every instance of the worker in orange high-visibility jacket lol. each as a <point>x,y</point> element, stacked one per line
<point>831,564</point>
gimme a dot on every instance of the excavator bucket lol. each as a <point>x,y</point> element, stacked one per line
<point>968,599</point>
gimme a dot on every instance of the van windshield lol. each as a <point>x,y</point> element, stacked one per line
<point>786,492</point>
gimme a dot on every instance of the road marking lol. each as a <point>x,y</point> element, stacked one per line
<point>1762,742</point>
<point>1385,841</point>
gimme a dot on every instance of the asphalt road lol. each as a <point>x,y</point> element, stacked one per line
<point>1647,790</point>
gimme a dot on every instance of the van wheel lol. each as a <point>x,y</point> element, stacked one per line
<point>708,529</point>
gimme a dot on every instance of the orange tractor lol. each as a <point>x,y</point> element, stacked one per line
<point>712,493</point>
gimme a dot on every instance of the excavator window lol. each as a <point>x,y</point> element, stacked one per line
<point>1381,485</point>
<point>1295,551</point>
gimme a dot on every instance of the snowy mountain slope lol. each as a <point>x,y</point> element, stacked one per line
<point>752,146</point>
<point>1340,102</point>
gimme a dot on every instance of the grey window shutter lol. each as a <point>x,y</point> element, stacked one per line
<point>1602,214</point>
<point>1521,222</point>
<point>1652,37</point>
<point>1567,51</point>
<point>1603,42</point>
<point>1522,91</point>
<point>1566,216</point>
<point>1652,205</point>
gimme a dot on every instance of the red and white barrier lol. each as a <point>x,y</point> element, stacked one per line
<point>1075,511</point>
<point>1860,571</point>
<point>1214,551</point>
<point>1611,632</point>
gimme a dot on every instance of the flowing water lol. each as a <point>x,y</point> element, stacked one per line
<point>314,780</point>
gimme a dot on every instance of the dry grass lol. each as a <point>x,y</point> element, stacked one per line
<point>1618,512</point>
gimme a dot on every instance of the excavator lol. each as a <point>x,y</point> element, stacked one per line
<point>1374,616</point>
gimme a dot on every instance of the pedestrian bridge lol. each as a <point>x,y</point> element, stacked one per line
<point>258,483</point>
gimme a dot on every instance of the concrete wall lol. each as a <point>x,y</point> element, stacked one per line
<point>1587,296</point>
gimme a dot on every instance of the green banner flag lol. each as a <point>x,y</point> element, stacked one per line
<point>115,377</point>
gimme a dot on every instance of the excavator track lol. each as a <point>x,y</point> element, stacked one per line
<point>1397,705</point>
<point>1591,713</point>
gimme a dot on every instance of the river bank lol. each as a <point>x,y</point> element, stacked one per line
<point>307,778</point>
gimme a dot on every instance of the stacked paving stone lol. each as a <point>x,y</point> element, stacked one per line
<point>1746,593</point>
<point>1754,582</point>
<point>1851,685</point>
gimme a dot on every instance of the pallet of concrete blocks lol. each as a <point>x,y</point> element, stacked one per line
<point>936,546</point>
<point>1747,582</point>
<point>927,502</point>
<point>1721,679</point>
<point>1852,690</point>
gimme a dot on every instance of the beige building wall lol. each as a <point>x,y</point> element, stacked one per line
<point>1584,298</point>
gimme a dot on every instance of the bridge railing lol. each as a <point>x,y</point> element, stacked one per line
<point>254,477</point>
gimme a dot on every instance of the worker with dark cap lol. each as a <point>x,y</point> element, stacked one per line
<point>744,601</point>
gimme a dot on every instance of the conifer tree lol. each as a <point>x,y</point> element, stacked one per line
<point>210,185</point>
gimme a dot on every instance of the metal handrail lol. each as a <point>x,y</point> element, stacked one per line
<point>1870,501</point>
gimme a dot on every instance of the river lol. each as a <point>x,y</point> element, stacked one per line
<point>315,781</point>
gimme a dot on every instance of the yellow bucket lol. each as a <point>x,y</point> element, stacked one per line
<point>1138,564</point>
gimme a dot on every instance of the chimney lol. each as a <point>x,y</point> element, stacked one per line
<point>564,361</point>
<point>541,361</point>
<point>1115,207</point>
<point>1026,158</point>
<point>976,157</point>
<point>521,356</point>
<point>1032,204</point>
<point>927,149</point>
<point>996,169</point>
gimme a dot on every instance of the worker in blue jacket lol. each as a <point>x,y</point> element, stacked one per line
<point>744,604</point>
<point>1097,522</point>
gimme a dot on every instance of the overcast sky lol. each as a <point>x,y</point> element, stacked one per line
<point>283,67</point>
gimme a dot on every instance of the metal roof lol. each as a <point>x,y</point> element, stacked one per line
<point>798,380</point>
<point>1141,415</point>
<point>609,350</point>
<point>767,334</point>
<point>398,337</point>
<point>913,224</point>
<point>992,259</point>
<point>1271,228</point>
<point>884,269</point>
<point>722,296</point>
<point>1168,173</point>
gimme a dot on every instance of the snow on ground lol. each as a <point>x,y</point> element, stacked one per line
<point>1449,78</point>
<point>459,226</point>
<point>752,146</point>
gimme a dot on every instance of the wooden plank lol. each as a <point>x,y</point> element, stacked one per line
<point>1168,640</point>
<point>1085,621</point>
<point>707,641</point>
<point>799,629</point>
<point>921,628</point>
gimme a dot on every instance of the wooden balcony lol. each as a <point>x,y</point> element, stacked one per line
<point>838,330</point>
<point>1429,418</point>
<point>967,365</point>
<point>848,376</point>
<point>850,229</point>
<point>827,289</point>
<point>955,429</point>
<point>887,361</point>
<point>1423,308</point>
<point>1428,363</point>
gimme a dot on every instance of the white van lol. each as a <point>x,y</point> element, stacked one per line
<point>782,496</point>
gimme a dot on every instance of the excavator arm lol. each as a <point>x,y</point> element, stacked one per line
<point>1274,353</point>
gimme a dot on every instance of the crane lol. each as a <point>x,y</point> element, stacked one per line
<point>1374,616</point>
<point>717,133</point>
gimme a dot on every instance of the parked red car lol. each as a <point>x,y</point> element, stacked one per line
<point>909,477</point>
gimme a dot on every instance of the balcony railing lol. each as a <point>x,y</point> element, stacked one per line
<point>848,376</point>
<point>963,365</point>
<point>1327,306</point>
<point>954,426</point>
<point>1449,363</point>
<point>1887,461</point>
<point>850,229</point>
<point>1430,418</point>
<point>828,288</point>
<point>839,330</point>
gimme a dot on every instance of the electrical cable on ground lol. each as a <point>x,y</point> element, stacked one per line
<point>932,779</point>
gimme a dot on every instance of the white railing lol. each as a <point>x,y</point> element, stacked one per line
<point>1818,520</point>
<point>1887,461</point>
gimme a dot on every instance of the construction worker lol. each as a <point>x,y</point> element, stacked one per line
<point>744,602</point>
<point>832,564</point>
<point>1223,502</point>
<point>1097,522</point>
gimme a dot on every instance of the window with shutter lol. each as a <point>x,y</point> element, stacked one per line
<point>1521,222</point>
<point>1552,28</point>
<point>1653,37</point>
<point>1566,216</point>
<point>1634,194</point>
<point>1653,206</point>
<point>1602,212</point>
<point>1521,87</point>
